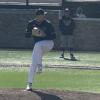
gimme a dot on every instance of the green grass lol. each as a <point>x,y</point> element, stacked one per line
<point>63,79</point>
<point>24,57</point>
<point>69,79</point>
<point>13,56</point>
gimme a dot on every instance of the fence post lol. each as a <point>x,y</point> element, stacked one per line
<point>63,4</point>
<point>27,2</point>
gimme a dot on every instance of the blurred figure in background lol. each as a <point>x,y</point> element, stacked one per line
<point>66,26</point>
<point>80,13</point>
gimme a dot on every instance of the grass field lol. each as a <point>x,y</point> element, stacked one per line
<point>51,58</point>
<point>51,78</point>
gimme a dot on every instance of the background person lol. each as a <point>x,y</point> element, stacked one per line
<point>80,13</point>
<point>67,26</point>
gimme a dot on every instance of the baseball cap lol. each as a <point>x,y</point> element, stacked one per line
<point>40,12</point>
<point>66,11</point>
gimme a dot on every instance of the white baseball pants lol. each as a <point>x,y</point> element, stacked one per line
<point>40,48</point>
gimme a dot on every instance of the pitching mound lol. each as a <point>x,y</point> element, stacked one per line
<point>20,94</point>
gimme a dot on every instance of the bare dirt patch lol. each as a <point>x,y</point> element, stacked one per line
<point>20,94</point>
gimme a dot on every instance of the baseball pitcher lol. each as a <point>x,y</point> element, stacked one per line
<point>43,34</point>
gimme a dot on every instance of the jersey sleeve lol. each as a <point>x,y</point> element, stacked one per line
<point>62,27</point>
<point>29,30</point>
<point>51,32</point>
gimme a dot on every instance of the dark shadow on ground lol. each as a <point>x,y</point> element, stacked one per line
<point>46,96</point>
<point>70,59</point>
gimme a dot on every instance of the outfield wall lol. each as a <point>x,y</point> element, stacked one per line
<point>13,23</point>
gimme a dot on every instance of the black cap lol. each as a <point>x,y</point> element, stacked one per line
<point>40,12</point>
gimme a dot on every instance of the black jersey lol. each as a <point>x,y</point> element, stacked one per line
<point>45,26</point>
<point>66,25</point>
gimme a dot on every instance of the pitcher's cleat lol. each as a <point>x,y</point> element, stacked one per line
<point>29,87</point>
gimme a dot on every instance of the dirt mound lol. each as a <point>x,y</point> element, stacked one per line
<point>20,94</point>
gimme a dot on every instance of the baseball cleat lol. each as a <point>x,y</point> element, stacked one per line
<point>29,87</point>
<point>62,56</point>
<point>72,57</point>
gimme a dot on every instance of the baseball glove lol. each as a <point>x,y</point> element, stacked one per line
<point>38,32</point>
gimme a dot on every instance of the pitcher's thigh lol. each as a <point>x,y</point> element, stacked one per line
<point>47,45</point>
<point>37,54</point>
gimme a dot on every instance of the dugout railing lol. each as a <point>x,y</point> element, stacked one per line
<point>30,5</point>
